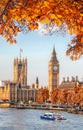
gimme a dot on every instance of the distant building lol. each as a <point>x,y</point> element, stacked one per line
<point>70,84</point>
<point>5,91</point>
<point>1,83</point>
<point>23,93</point>
<point>20,71</point>
<point>18,90</point>
<point>53,72</point>
<point>53,76</point>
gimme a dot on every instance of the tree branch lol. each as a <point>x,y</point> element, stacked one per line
<point>5,8</point>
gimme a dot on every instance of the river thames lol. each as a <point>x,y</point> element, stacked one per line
<point>29,119</point>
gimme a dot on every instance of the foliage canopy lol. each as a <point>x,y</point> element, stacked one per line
<point>25,15</point>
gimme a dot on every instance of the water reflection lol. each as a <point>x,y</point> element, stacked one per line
<point>27,119</point>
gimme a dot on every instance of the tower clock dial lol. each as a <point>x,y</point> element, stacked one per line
<point>55,68</point>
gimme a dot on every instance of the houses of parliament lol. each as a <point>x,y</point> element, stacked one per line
<point>18,90</point>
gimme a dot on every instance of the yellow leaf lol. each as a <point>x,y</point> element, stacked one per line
<point>28,18</point>
<point>46,3</point>
<point>53,16</point>
<point>70,31</point>
<point>59,23</point>
<point>42,21</point>
<point>18,17</point>
<point>82,40</point>
<point>75,30</point>
<point>82,29</point>
<point>47,21</point>
<point>81,14</point>
<point>59,16</point>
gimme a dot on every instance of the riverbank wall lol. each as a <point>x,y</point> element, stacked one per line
<point>45,107</point>
<point>51,107</point>
<point>4,105</point>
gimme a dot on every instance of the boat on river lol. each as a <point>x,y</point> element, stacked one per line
<point>52,116</point>
<point>60,117</point>
<point>48,116</point>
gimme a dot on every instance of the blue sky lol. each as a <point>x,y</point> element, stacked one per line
<point>37,49</point>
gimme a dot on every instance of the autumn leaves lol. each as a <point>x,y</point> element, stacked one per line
<point>62,96</point>
<point>29,13</point>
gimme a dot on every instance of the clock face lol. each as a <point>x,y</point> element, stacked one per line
<point>55,68</point>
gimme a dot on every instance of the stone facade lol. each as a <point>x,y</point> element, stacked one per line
<point>22,93</point>
<point>20,71</point>
<point>5,91</point>
<point>19,90</point>
<point>53,72</point>
<point>70,83</point>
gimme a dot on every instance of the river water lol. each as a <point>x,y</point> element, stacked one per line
<point>29,119</point>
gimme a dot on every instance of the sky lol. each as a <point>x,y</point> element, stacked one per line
<point>37,48</point>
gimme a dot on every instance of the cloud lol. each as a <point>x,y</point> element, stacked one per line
<point>45,29</point>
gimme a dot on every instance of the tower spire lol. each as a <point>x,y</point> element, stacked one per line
<point>37,82</point>
<point>54,48</point>
<point>20,52</point>
<point>54,52</point>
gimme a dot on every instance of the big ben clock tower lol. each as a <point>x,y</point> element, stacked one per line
<point>53,72</point>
